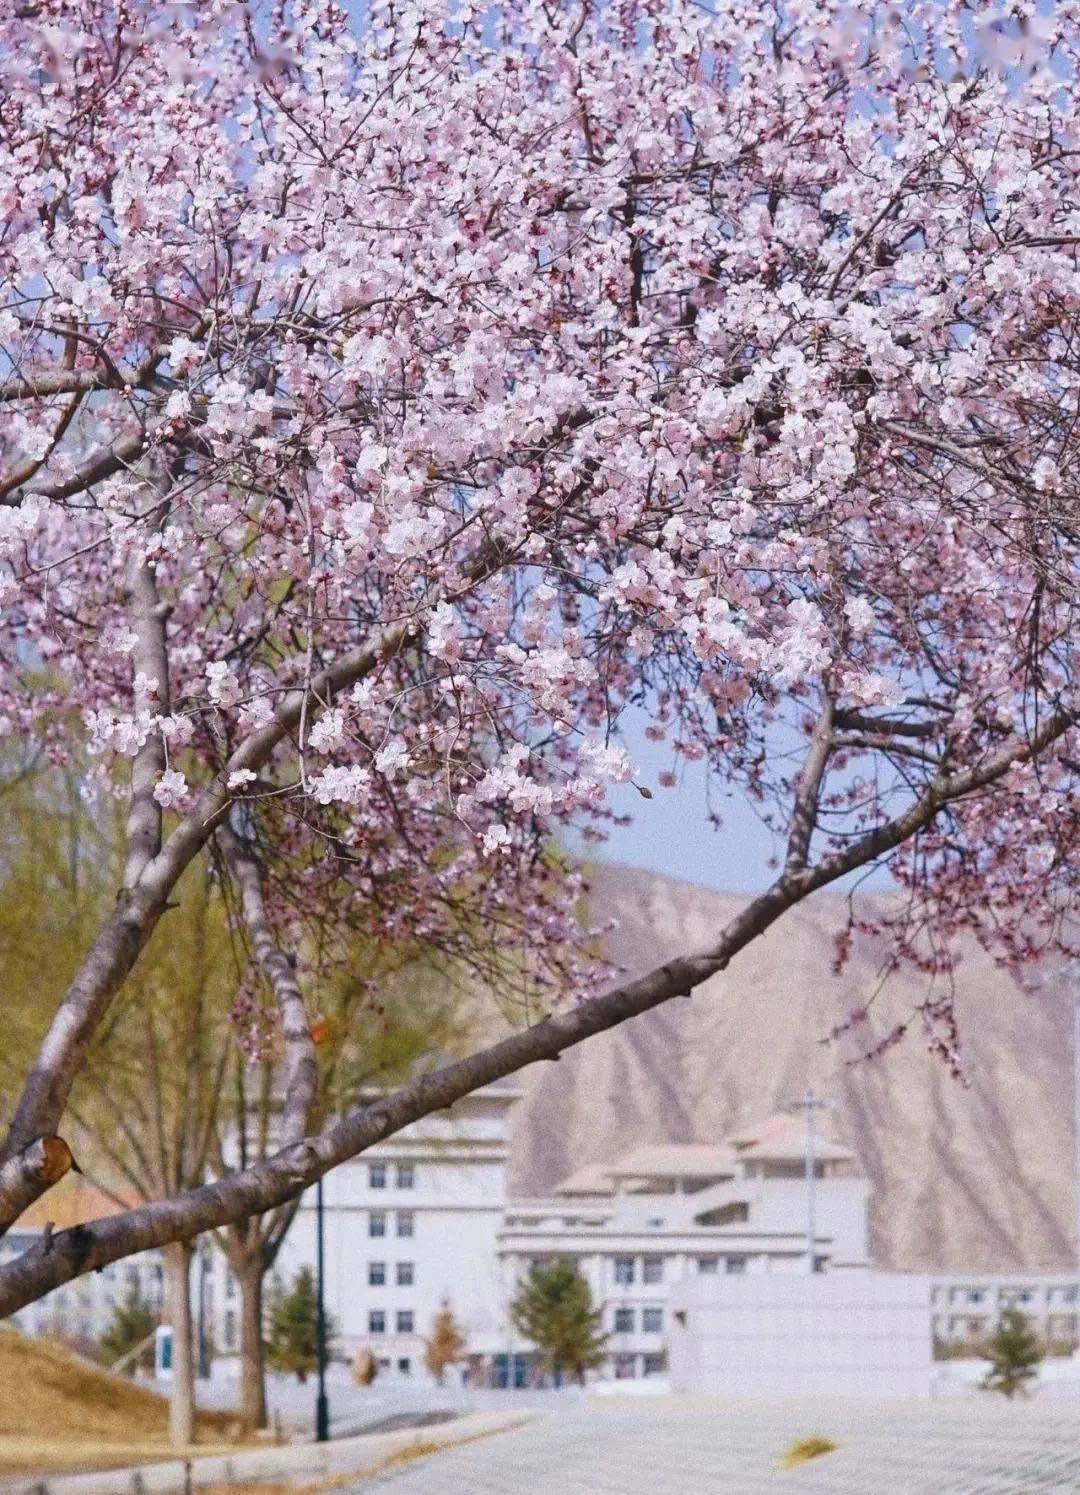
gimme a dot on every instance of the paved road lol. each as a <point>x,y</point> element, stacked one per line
<point>965,1446</point>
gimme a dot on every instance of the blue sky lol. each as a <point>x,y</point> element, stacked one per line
<point>671,832</point>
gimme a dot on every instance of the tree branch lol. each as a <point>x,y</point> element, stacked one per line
<point>300,1070</point>
<point>805,812</point>
<point>151,663</point>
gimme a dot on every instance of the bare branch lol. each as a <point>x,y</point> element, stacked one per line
<point>151,663</point>
<point>300,1072</point>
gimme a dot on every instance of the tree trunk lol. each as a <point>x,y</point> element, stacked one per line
<point>252,1350</point>
<point>178,1307</point>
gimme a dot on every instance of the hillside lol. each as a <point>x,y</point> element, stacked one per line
<point>965,1175</point>
<point>61,1411</point>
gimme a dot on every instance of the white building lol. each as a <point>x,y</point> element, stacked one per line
<point>411,1225</point>
<point>424,1220</point>
<point>967,1306</point>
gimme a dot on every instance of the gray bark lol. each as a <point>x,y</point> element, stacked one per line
<point>178,1307</point>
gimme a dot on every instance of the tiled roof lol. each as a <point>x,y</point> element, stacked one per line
<point>591,1180</point>
<point>782,1137</point>
<point>675,1160</point>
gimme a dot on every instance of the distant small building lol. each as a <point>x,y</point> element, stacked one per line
<point>966,1306</point>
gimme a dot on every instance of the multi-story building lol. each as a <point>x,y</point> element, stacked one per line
<point>423,1220</point>
<point>413,1225</point>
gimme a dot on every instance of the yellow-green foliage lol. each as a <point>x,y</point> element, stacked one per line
<point>805,1449</point>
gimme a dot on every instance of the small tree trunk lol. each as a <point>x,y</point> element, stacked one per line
<point>178,1307</point>
<point>252,1349</point>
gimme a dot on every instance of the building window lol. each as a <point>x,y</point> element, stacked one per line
<point>377,1223</point>
<point>382,1364</point>
<point>652,1269</point>
<point>624,1270</point>
<point>376,1274</point>
<point>405,1274</point>
<point>652,1320</point>
<point>975,1295</point>
<point>708,1266</point>
<point>405,1223</point>
<point>734,1266</point>
<point>230,1329</point>
<point>405,1321</point>
<point>653,1365</point>
<point>624,1321</point>
<point>404,1366</point>
<point>376,1321</point>
<point>625,1367</point>
<point>376,1175</point>
<point>406,1176</point>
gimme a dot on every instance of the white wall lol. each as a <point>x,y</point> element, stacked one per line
<point>835,1333</point>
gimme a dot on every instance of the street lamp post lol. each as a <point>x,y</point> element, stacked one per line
<point>204,1347</point>
<point>322,1410</point>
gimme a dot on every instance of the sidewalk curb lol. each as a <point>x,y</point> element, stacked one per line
<point>292,1464</point>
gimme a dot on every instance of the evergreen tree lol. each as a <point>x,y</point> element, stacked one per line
<point>293,1341</point>
<point>553,1308</point>
<point>133,1321</point>
<point>1014,1352</point>
<point>446,1345</point>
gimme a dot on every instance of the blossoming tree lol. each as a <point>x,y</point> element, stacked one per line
<point>388,404</point>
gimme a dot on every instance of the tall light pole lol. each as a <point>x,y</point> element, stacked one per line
<point>204,1249</point>
<point>322,1410</point>
<point>809,1104</point>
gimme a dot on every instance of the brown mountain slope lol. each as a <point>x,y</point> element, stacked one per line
<point>965,1176</point>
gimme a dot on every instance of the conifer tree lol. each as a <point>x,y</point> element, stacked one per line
<point>553,1308</point>
<point>293,1339</point>
<point>1015,1353</point>
<point>133,1322</point>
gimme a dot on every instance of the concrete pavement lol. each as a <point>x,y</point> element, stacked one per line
<point>964,1446</point>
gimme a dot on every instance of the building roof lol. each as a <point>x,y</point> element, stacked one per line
<point>782,1138</point>
<point>594,1179</point>
<point>675,1160</point>
<point>661,1160</point>
<point>779,1138</point>
<point>72,1201</point>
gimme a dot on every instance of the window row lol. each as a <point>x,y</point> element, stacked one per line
<point>626,1366</point>
<point>378,1219</point>
<point>624,1320</point>
<point>626,1268</point>
<point>709,1266</point>
<point>379,1175</point>
<point>403,1321</point>
<point>404,1274</point>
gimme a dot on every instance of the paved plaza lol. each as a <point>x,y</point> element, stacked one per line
<point>963,1446</point>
